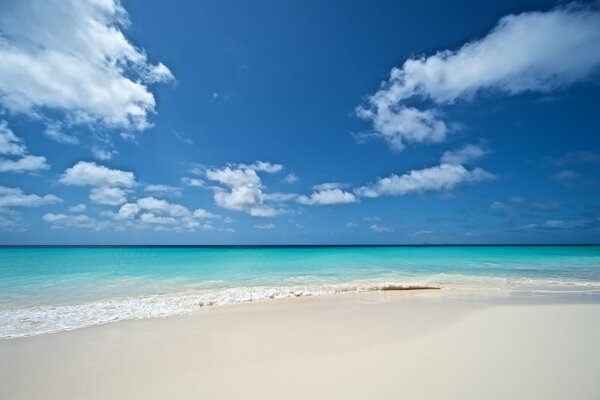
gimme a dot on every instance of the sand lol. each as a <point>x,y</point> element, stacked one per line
<point>388,345</point>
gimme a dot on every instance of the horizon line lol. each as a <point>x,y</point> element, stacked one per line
<point>292,245</point>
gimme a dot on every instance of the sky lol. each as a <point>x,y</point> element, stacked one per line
<point>299,122</point>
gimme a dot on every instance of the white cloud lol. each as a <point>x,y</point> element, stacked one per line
<point>463,155</point>
<point>264,226</point>
<point>328,197</point>
<point>329,186</point>
<point>290,178</point>
<point>401,125</point>
<point>112,196</point>
<point>279,197</point>
<point>73,57</point>
<point>262,166</point>
<point>91,174</point>
<point>559,224</point>
<point>13,146</point>
<point>79,208</point>
<point>63,221</point>
<point>195,182</point>
<point>25,164</point>
<point>161,214</point>
<point>10,144</point>
<point>14,197</point>
<point>163,189</point>
<point>162,206</point>
<point>243,190</point>
<point>202,213</point>
<point>103,154</point>
<point>128,211</point>
<point>352,225</point>
<point>441,177</point>
<point>527,52</point>
<point>381,228</point>
<point>54,131</point>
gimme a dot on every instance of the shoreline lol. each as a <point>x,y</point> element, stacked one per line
<point>423,344</point>
<point>153,306</point>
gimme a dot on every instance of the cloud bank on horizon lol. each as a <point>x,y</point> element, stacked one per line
<point>71,67</point>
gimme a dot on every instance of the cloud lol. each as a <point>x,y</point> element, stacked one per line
<point>573,157</point>
<point>102,154</point>
<point>150,212</point>
<point>112,196</point>
<point>381,228</point>
<point>327,197</point>
<point>10,144</point>
<point>562,225</point>
<point>329,186</point>
<point>243,188</point>
<point>440,177</point>
<point>91,174</point>
<point>264,226</point>
<point>290,178</point>
<point>20,161</point>
<point>79,208</point>
<point>128,211</point>
<point>64,221</point>
<point>527,52</point>
<point>183,138</point>
<point>15,197</point>
<point>262,166</point>
<point>566,175</point>
<point>24,164</point>
<point>163,189</point>
<point>463,155</point>
<point>352,225</point>
<point>73,57</point>
<point>54,131</point>
<point>195,182</point>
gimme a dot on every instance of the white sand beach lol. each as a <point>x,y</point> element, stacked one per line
<point>386,345</point>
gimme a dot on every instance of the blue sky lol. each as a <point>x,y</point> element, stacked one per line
<point>226,122</point>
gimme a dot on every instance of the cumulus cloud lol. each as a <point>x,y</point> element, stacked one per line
<point>111,196</point>
<point>242,188</point>
<point>158,213</point>
<point>15,197</point>
<point>107,184</point>
<point>326,196</point>
<point>86,173</point>
<point>20,161</point>
<point>527,52</point>
<point>440,177</point>
<point>73,57</point>
<point>25,164</point>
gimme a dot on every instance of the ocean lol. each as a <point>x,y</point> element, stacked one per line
<point>46,290</point>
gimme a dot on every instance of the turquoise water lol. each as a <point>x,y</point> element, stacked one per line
<point>49,289</point>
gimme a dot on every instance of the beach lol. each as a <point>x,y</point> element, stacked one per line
<point>400,344</point>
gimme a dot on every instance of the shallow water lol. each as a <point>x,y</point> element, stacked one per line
<point>50,289</point>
